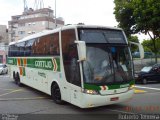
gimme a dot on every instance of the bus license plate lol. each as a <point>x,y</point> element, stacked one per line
<point>114,99</point>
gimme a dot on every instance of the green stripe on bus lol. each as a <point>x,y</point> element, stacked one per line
<point>110,87</point>
<point>46,64</point>
<point>58,63</point>
<point>21,62</point>
<point>132,82</point>
<point>24,72</point>
<point>12,61</point>
<point>39,63</point>
<point>91,87</point>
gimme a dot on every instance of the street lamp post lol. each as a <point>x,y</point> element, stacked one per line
<point>55,15</point>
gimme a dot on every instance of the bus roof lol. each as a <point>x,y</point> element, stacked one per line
<point>47,32</point>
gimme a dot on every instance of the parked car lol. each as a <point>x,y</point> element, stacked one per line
<point>3,69</point>
<point>146,54</point>
<point>149,73</point>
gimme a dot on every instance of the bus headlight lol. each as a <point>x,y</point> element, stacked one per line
<point>92,92</point>
<point>131,87</point>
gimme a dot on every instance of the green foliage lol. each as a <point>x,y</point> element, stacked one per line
<point>142,16</point>
<point>124,15</point>
<point>148,45</point>
<point>147,16</point>
<point>138,16</point>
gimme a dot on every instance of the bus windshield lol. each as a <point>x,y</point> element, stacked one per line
<point>107,62</point>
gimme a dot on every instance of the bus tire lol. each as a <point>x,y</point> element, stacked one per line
<point>56,93</point>
<point>7,72</point>
<point>17,79</point>
<point>14,75</point>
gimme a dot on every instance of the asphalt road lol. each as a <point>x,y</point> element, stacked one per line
<point>27,101</point>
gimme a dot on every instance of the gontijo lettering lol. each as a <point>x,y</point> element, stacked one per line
<point>43,64</point>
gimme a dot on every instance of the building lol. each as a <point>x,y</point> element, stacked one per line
<point>3,43</point>
<point>32,21</point>
<point>3,53</point>
<point>4,34</point>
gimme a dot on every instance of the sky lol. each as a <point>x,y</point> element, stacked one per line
<point>91,12</point>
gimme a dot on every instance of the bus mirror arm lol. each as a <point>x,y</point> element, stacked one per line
<point>81,60</point>
<point>140,47</point>
<point>81,45</point>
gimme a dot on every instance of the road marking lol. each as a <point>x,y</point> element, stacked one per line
<point>33,98</point>
<point>120,111</point>
<point>4,76</point>
<point>7,89</point>
<point>148,88</point>
<point>11,92</point>
<point>139,91</point>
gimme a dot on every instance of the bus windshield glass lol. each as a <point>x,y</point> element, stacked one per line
<point>106,62</point>
<point>102,36</point>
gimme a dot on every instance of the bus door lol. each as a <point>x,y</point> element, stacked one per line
<point>71,66</point>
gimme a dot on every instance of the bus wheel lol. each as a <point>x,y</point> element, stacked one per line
<point>56,94</point>
<point>17,79</point>
<point>14,76</point>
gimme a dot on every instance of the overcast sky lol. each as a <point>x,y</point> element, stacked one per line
<point>92,12</point>
<point>99,12</point>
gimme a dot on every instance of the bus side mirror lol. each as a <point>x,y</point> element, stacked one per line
<point>140,47</point>
<point>141,51</point>
<point>81,50</point>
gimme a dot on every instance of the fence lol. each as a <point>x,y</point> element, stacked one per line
<point>149,61</point>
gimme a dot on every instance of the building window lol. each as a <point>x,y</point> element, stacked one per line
<point>33,32</point>
<point>21,25</point>
<point>43,23</point>
<point>21,32</point>
<point>29,24</point>
<point>29,32</point>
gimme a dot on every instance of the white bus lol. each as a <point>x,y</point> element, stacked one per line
<point>87,66</point>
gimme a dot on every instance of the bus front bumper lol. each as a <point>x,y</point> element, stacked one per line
<point>89,101</point>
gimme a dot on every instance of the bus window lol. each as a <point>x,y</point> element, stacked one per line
<point>47,45</point>
<point>121,63</point>
<point>20,51</point>
<point>28,47</point>
<point>70,57</point>
<point>54,44</point>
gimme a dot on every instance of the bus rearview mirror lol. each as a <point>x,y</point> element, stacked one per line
<point>141,50</point>
<point>140,47</point>
<point>81,45</point>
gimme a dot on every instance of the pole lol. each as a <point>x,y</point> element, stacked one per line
<point>55,15</point>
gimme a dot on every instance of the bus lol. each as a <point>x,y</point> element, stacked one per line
<point>85,65</point>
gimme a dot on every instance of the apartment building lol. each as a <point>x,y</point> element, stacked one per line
<point>3,43</point>
<point>31,22</point>
<point>3,34</point>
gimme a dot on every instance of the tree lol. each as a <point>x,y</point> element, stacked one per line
<point>124,15</point>
<point>148,45</point>
<point>139,16</point>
